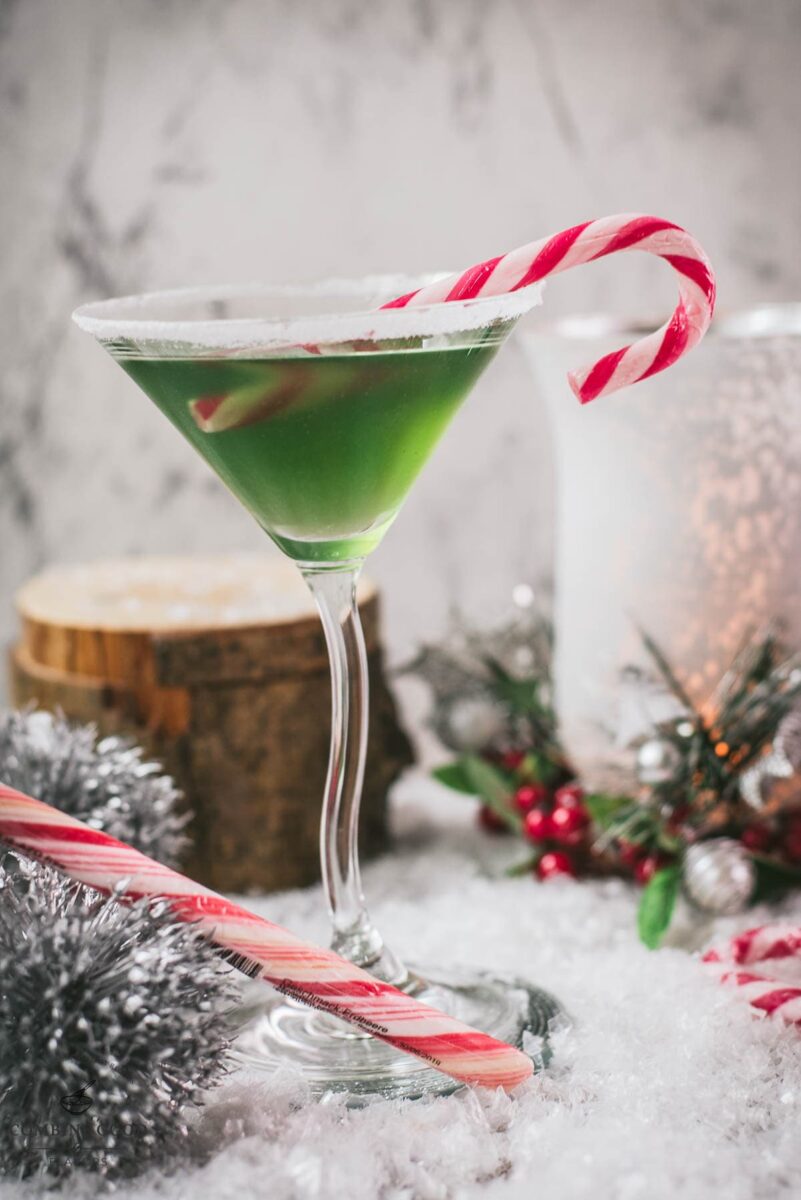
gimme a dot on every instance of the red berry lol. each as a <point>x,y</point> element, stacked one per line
<point>647,867</point>
<point>630,853</point>
<point>537,825</point>
<point>512,760</point>
<point>571,839</point>
<point>568,824</point>
<point>756,837</point>
<point>570,795</point>
<point>555,863</point>
<point>529,796</point>
<point>489,820</point>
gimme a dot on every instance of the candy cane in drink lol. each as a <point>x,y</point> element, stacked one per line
<point>582,244</point>
<point>301,970</point>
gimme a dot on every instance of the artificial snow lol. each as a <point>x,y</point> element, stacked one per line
<point>664,1085</point>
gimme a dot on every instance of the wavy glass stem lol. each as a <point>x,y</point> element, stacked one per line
<point>354,935</point>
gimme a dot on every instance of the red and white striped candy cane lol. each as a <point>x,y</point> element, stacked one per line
<point>585,243</point>
<point>298,969</point>
<point>765,944</point>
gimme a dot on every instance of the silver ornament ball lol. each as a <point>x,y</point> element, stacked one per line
<point>468,723</point>
<point>657,759</point>
<point>719,876</point>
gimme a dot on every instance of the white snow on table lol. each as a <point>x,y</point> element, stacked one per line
<point>665,1086</point>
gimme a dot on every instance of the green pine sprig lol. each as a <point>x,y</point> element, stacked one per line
<point>701,797</point>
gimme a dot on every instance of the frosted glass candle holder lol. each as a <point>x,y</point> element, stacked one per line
<point>678,511</point>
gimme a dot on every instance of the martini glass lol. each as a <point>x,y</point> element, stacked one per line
<point>318,412</point>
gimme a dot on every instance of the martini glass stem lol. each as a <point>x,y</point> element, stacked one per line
<point>354,935</point>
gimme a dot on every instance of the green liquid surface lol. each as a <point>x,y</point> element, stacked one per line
<point>321,449</point>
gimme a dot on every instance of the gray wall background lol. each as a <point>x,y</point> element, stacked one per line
<point>147,144</point>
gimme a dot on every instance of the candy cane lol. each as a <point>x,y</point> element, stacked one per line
<point>761,944</point>
<point>765,944</point>
<point>585,243</point>
<point>298,969</point>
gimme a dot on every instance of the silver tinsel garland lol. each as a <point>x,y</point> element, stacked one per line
<point>113,1019</point>
<point>108,783</point>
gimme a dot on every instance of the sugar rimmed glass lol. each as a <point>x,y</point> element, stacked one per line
<point>318,410</point>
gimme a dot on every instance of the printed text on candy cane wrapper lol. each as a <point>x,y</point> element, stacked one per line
<point>288,988</point>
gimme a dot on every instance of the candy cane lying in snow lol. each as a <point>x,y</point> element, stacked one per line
<point>765,944</point>
<point>582,244</point>
<point>306,972</point>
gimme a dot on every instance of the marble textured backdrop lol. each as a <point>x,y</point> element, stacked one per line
<point>153,143</point>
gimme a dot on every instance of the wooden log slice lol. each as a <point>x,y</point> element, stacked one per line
<point>218,665</point>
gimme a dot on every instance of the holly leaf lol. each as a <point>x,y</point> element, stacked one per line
<point>493,787</point>
<point>453,775</point>
<point>521,695</point>
<point>524,867</point>
<point>605,809</point>
<point>657,904</point>
<point>474,777</point>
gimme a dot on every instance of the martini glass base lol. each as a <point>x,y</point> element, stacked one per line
<point>333,1057</point>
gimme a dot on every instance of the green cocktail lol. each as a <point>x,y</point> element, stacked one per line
<point>321,448</point>
<point>318,409</point>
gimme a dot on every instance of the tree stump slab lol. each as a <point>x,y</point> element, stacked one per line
<point>218,666</point>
